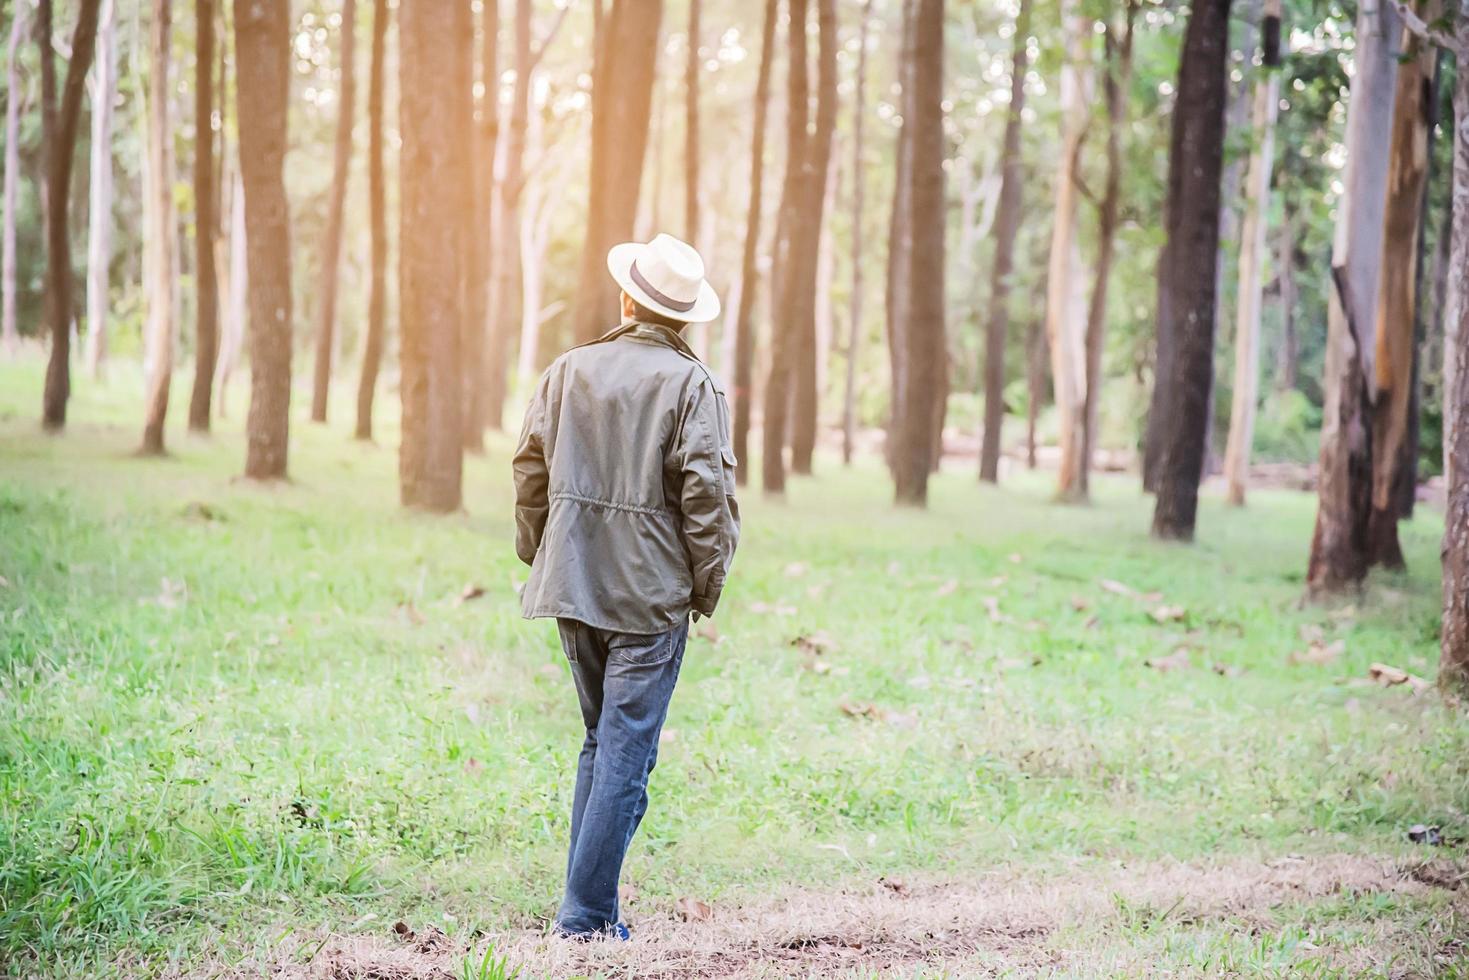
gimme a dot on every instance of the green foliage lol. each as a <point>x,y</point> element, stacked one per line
<point>1286,428</point>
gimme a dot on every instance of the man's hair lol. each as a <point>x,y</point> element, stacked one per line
<point>644,315</point>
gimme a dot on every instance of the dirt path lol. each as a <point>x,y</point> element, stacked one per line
<point>1293,915</point>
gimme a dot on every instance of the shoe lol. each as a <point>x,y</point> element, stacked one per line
<point>617,930</point>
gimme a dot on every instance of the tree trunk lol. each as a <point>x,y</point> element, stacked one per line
<point>807,398</point>
<point>1035,384</point>
<point>1453,668</point>
<point>235,288</point>
<point>1251,286</point>
<point>859,180</point>
<point>59,157</point>
<point>99,217</point>
<point>478,219</point>
<point>206,343</point>
<point>433,197</point>
<point>622,91</point>
<point>331,245</point>
<point>1287,361</point>
<point>9,332</point>
<point>744,358</point>
<point>1007,226</point>
<point>1065,322</point>
<point>899,243</point>
<point>788,257</point>
<point>263,69</point>
<point>925,276</point>
<point>1393,376</point>
<point>1193,245</point>
<point>1339,543</point>
<point>377,302</point>
<point>691,129</point>
<point>1115,82</point>
<point>162,264</point>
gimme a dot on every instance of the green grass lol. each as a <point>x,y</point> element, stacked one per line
<point>227,710</point>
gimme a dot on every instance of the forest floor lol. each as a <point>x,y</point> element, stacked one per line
<point>248,730</point>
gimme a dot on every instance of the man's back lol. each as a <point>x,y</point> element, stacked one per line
<point>625,486</point>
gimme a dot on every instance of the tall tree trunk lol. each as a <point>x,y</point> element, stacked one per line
<point>162,262</point>
<point>1007,226</point>
<point>691,130</point>
<point>466,150</point>
<point>263,69</point>
<point>1339,543</point>
<point>9,332</point>
<point>45,24</point>
<point>744,358</point>
<point>789,256</point>
<point>1251,286</point>
<point>479,364</point>
<point>331,245</point>
<point>1115,82</point>
<point>807,398</point>
<point>1065,319</point>
<point>430,460</point>
<point>925,278</point>
<point>377,302</point>
<point>1035,384</point>
<point>206,343</point>
<point>1453,667</point>
<point>1393,377</point>
<point>899,242</point>
<point>59,157</point>
<point>99,217</point>
<point>1287,361</point>
<point>622,91</point>
<point>1193,245</point>
<point>859,180</point>
<point>234,286</point>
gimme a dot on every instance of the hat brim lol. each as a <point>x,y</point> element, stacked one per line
<point>619,263</point>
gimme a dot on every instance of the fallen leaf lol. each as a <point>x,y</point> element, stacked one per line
<point>1080,603</point>
<point>795,569</point>
<point>1151,597</point>
<point>1319,653</point>
<point>1228,670</point>
<point>1389,676</point>
<point>200,511</point>
<point>410,612</point>
<point>992,605</point>
<point>1424,834</point>
<point>401,928</point>
<point>1168,614</point>
<point>692,910</point>
<point>998,581</point>
<point>861,709</point>
<point>815,643</point>
<point>1312,633</point>
<point>1117,588</point>
<point>1176,660</point>
<point>627,893</point>
<point>1092,622</point>
<point>817,667</point>
<point>948,588</point>
<point>894,885</point>
<point>470,591</point>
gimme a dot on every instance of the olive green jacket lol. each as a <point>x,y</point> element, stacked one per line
<point>625,485</point>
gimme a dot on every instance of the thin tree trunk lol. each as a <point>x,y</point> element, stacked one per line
<point>1115,82</point>
<point>478,366</point>
<point>691,129</point>
<point>206,344</point>
<point>234,287</point>
<point>466,149</point>
<point>1193,235</point>
<point>45,17</point>
<point>1065,319</point>
<point>9,332</point>
<point>433,178</point>
<point>744,357</point>
<point>854,312</point>
<point>59,157</point>
<point>622,90</point>
<point>807,400</point>
<point>925,277</point>
<point>377,301</point>
<point>1397,295</point>
<point>1288,360</point>
<point>331,247</point>
<point>1035,384</point>
<point>99,218</point>
<point>161,239</point>
<point>1251,286</point>
<point>1007,226</point>
<point>263,69</point>
<point>899,243</point>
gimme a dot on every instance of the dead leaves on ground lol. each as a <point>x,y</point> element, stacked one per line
<point>1389,676</point>
<point>693,910</point>
<point>1179,659</point>
<point>872,712</point>
<point>1319,653</point>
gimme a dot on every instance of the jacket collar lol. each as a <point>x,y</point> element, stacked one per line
<point>655,332</point>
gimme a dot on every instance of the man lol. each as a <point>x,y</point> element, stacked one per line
<point>625,511</point>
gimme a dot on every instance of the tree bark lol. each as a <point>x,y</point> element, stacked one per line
<point>1193,245</point>
<point>807,398</point>
<point>854,312</point>
<point>691,129</point>
<point>1251,286</point>
<point>1115,83</point>
<point>331,245</point>
<point>1007,227</point>
<point>263,69</point>
<point>99,217</point>
<point>899,243</point>
<point>9,332</point>
<point>1065,319</point>
<point>1393,376</point>
<point>1035,384</point>
<point>377,302</point>
<point>622,91</point>
<point>925,278</point>
<point>433,197</point>
<point>162,264</point>
<point>478,364</point>
<point>1287,362</point>
<point>206,343</point>
<point>59,156</point>
<point>744,358</point>
<point>1339,543</point>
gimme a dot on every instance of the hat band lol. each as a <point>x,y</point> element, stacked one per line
<point>655,294</point>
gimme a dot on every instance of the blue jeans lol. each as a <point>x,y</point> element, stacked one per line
<point>624,682</point>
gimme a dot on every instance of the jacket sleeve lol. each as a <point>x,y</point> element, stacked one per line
<point>532,480</point>
<point>711,516</point>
